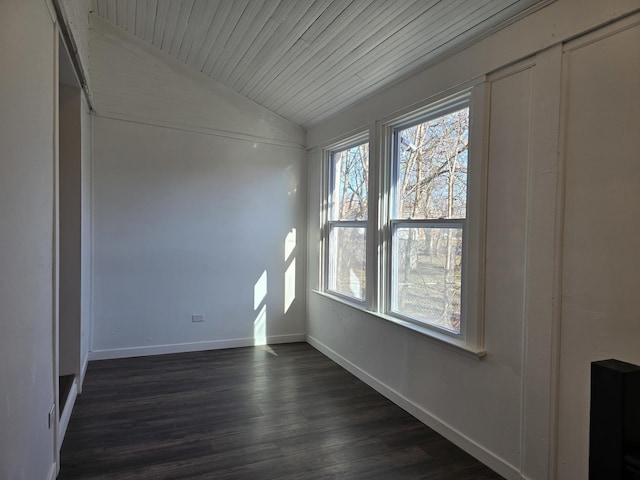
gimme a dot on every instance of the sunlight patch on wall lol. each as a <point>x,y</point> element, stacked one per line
<point>260,290</point>
<point>289,285</point>
<point>260,327</point>
<point>289,244</point>
<point>260,322</point>
<point>290,272</point>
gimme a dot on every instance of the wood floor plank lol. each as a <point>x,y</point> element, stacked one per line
<point>284,412</point>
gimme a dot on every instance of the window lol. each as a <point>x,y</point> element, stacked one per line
<point>414,255</point>
<point>428,217</point>
<point>347,221</point>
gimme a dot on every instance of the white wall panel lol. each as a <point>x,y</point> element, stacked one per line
<point>27,99</point>
<point>601,274</point>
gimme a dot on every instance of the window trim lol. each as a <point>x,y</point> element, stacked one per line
<point>391,130</point>
<point>328,223</point>
<point>476,97</point>
<point>380,135</point>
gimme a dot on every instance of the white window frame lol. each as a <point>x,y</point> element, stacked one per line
<point>329,224</point>
<point>380,224</point>
<point>438,110</point>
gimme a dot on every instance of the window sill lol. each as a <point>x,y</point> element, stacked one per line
<point>440,338</point>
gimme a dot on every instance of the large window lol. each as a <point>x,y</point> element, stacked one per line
<point>413,254</point>
<point>427,221</point>
<point>347,221</point>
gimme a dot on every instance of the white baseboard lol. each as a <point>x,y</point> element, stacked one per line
<point>291,338</point>
<point>190,347</point>
<point>53,471</point>
<point>468,445</point>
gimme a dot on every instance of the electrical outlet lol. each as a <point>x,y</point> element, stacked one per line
<point>197,318</point>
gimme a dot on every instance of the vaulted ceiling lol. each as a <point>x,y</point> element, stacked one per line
<point>307,59</point>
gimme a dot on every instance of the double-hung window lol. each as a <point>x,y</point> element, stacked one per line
<point>428,218</point>
<point>347,221</point>
<point>403,239</point>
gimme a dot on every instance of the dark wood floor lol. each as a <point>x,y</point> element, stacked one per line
<point>283,412</point>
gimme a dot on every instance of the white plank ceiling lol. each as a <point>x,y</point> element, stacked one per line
<point>307,59</point>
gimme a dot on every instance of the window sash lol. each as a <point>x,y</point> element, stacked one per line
<point>330,264</point>
<point>395,130</point>
<point>333,175</point>
<point>331,221</point>
<point>393,269</point>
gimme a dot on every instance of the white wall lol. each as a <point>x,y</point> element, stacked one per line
<point>601,274</point>
<point>503,408</point>
<point>476,403</point>
<point>187,223</point>
<point>27,57</point>
<point>197,195</point>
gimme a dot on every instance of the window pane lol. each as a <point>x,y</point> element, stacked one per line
<point>432,168</point>
<point>427,273</point>
<point>349,177</point>
<point>347,246</point>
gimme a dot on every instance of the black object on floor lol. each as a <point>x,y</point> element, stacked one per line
<point>614,430</point>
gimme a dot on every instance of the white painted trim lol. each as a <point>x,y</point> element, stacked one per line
<point>195,129</point>
<point>467,444</point>
<point>66,47</point>
<point>64,26</point>
<point>83,372</point>
<point>559,221</point>
<point>604,32</point>
<point>55,249</point>
<point>537,435</point>
<point>426,332</point>
<point>52,11</point>
<point>65,416</point>
<point>53,471</point>
<point>190,347</point>
<point>474,95</point>
<point>92,280</point>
